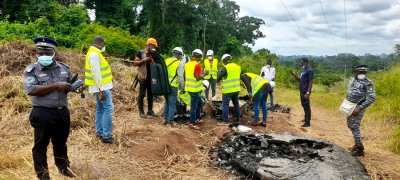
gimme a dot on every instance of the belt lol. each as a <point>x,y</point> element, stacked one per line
<point>57,108</point>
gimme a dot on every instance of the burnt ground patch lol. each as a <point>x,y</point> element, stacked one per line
<point>261,156</point>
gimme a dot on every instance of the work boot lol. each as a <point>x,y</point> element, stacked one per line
<point>141,114</point>
<point>358,150</point>
<point>151,113</point>
<point>109,140</point>
<point>67,172</point>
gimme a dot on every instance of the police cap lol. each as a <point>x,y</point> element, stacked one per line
<point>361,68</point>
<point>45,43</point>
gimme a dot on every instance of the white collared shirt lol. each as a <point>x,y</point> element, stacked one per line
<point>269,73</point>
<point>94,61</point>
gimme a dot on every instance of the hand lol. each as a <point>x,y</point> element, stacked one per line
<point>102,96</point>
<point>206,73</point>
<point>306,96</point>
<point>80,89</point>
<point>293,73</point>
<point>62,86</point>
<point>356,111</point>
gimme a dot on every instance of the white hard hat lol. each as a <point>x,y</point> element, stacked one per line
<point>198,51</point>
<point>272,84</point>
<point>179,49</point>
<point>225,56</point>
<point>206,83</point>
<point>210,53</point>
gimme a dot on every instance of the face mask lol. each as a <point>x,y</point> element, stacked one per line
<point>45,60</point>
<point>103,49</point>
<point>209,57</point>
<point>268,66</point>
<point>361,76</point>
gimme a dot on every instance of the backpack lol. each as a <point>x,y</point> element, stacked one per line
<point>159,75</point>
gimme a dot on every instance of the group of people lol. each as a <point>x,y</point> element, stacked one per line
<point>48,82</point>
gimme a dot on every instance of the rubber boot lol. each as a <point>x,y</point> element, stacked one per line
<point>358,150</point>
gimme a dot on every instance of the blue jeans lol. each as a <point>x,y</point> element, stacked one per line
<point>260,99</point>
<point>170,105</point>
<point>195,107</point>
<point>104,111</point>
<point>213,84</point>
<point>226,98</point>
<point>271,95</point>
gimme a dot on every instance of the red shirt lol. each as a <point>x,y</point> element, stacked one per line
<point>197,69</point>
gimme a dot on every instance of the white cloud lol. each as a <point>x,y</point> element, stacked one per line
<point>373,26</point>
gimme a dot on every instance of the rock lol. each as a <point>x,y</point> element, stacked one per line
<point>261,156</point>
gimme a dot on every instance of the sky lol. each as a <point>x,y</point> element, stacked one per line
<point>372,26</point>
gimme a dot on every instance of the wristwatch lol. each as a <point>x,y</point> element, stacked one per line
<point>308,93</point>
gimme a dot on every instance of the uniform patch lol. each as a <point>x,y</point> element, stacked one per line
<point>30,79</point>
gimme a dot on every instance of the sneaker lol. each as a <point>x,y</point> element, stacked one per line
<point>141,114</point>
<point>109,140</point>
<point>252,123</point>
<point>200,122</point>
<point>67,172</point>
<point>263,124</point>
<point>191,126</point>
<point>151,113</point>
<point>305,125</point>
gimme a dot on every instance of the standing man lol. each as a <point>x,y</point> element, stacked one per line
<point>47,83</point>
<point>258,89</point>
<point>306,82</point>
<point>360,91</point>
<point>211,65</point>
<point>268,73</point>
<point>181,108</point>
<point>172,64</point>
<point>143,60</point>
<point>230,76</point>
<point>98,77</point>
<point>193,85</point>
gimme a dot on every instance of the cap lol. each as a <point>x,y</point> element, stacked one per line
<point>45,43</point>
<point>152,41</point>
<point>210,53</point>
<point>361,68</point>
<point>178,49</point>
<point>225,56</point>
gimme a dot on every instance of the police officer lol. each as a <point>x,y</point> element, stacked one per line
<point>230,76</point>
<point>47,83</point>
<point>360,91</point>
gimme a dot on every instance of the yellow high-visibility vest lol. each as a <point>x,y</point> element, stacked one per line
<point>232,82</point>
<point>191,84</point>
<point>105,70</point>
<point>172,64</point>
<point>256,82</point>
<point>212,69</point>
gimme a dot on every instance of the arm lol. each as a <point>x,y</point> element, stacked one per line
<point>371,96</point>
<point>246,80</point>
<point>33,88</point>
<point>197,73</point>
<point>273,74</point>
<point>294,75</point>
<point>221,74</point>
<point>262,74</point>
<point>138,59</point>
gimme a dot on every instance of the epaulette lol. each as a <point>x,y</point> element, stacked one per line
<point>63,64</point>
<point>30,68</point>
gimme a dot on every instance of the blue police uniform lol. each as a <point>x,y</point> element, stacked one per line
<point>50,116</point>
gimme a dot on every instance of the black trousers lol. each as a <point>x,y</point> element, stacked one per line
<point>307,109</point>
<point>145,86</point>
<point>50,124</point>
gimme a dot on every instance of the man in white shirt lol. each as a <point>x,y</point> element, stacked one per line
<point>268,73</point>
<point>98,77</point>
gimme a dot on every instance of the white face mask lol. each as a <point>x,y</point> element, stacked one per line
<point>103,49</point>
<point>268,66</point>
<point>361,76</point>
<point>209,57</point>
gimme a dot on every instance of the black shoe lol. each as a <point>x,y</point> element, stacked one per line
<point>43,176</point>
<point>109,140</point>
<point>67,172</point>
<point>141,114</point>
<point>305,125</point>
<point>99,136</point>
<point>358,150</point>
<point>151,113</point>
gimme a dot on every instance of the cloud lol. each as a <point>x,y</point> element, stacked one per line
<point>373,26</point>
